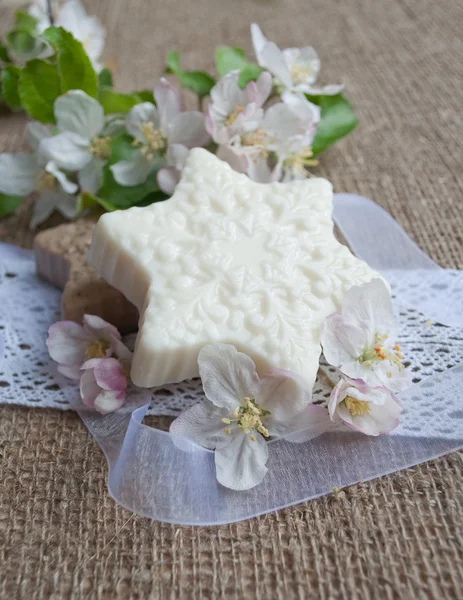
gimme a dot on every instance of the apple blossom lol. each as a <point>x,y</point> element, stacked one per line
<point>370,410</point>
<point>242,411</point>
<point>294,69</point>
<point>21,174</point>
<point>361,341</point>
<point>83,141</point>
<point>155,129</point>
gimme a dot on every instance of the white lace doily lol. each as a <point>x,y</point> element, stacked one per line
<point>28,376</point>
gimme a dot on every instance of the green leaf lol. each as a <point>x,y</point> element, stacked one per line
<point>173,61</point>
<point>25,21</point>
<point>249,73</point>
<point>21,42</point>
<point>198,82</point>
<point>228,58</point>
<point>74,66</point>
<point>337,120</point>
<point>119,196</point>
<point>10,79</point>
<point>39,86</point>
<point>8,204</point>
<point>146,96</point>
<point>115,102</point>
<point>4,57</point>
<point>105,78</point>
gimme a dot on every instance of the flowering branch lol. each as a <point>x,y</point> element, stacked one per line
<point>98,149</point>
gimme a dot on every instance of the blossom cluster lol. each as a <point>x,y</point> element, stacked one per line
<point>94,148</point>
<point>242,411</point>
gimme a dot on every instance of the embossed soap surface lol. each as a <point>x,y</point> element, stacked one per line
<point>228,260</point>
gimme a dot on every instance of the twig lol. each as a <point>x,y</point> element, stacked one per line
<point>50,12</point>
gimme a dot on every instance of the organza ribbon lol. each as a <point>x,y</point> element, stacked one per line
<point>171,479</point>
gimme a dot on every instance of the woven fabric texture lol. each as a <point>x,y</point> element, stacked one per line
<point>61,536</point>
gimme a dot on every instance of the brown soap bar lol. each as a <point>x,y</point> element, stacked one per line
<point>60,259</point>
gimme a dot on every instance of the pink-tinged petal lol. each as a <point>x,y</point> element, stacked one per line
<point>284,393</point>
<point>240,462</point>
<point>168,101</point>
<point>188,129</point>
<point>71,371</point>
<point>258,91</point>
<point>342,341</point>
<point>176,156</point>
<point>238,162</point>
<point>110,375</point>
<point>100,329</point>
<point>67,342</point>
<point>201,423</point>
<point>167,179</point>
<point>108,401</point>
<point>309,424</point>
<point>89,389</point>
<point>227,375</point>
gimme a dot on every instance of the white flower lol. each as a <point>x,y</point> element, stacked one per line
<point>361,340</point>
<point>295,69</point>
<point>86,29</point>
<point>39,10</point>
<point>156,129</point>
<point>72,17</point>
<point>232,110</point>
<point>82,144</point>
<point>370,410</point>
<point>241,412</point>
<point>21,174</point>
<point>279,149</point>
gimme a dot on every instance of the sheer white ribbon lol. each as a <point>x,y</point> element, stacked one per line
<point>173,480</point>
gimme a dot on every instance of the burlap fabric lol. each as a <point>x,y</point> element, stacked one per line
<point>396,537</point>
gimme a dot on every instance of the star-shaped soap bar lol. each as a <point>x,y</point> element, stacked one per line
<point>227,260</point>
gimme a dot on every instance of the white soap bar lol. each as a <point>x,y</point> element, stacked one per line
<point>228,260</point>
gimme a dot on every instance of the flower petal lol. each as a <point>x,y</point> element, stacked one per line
<point>78,113</point>
<point>167,179</point>
<point>110,375</point>
<point>68,150</point>
<point>369,307</point>
<point>133,172</point>
<point>36,132</point>
<point>188,129</point>
<point>342,342</point>
<point>91,176</point>
<point>258,91</point>
<point>305,58</point>
<point>68,186</point>
<point>310,423</point>
<point>240,462</point>
<point>227,375</point>
<point>145,112</point>
<point>89,389</point>
<point>18,173</point>
<point>108,401</point>
<point>100,329</point>
<point>284,393</point>
<point>66,342</point>
<point>168,101</point>
<point>201,423</point>
<point>71,371</point>
<point>270,57</point>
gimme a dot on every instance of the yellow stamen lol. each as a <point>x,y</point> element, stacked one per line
<point>100,147</point>
<point>96,349</point>
<point>357,407</point>
<point>301,73</point>
<point>233,115</point>
<point>227,430</point>
<point>226,421</point>
<point>155,138</point>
